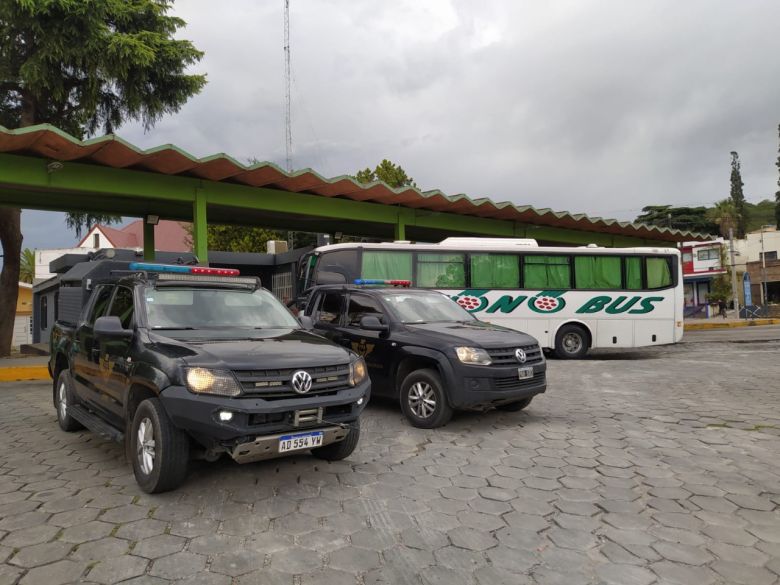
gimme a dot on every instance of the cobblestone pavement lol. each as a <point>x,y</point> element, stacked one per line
<point>658,466</point>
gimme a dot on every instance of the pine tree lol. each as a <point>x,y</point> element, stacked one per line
<point>737,196</point>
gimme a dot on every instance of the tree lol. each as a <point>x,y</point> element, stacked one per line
<point>685,218</point>
<point>392,174</point>
<point>237,238</point>
<point>737,196</point>
<point>27,266</point>
<point>84,66</point>
<point>724,215</point>
<point>777,194</point>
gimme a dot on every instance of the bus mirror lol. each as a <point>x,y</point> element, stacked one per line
<point>306,322</point>
<point>324,277</point>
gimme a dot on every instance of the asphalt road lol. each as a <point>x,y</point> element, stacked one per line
<point>652,466</point>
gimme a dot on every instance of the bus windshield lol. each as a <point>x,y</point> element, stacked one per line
<point>424,307</point>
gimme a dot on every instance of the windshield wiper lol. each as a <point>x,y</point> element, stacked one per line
<point>174,328</point>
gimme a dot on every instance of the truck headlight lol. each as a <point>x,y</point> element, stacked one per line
<point>357,372</point>
<point>473,355</point>
<point>219,382</point>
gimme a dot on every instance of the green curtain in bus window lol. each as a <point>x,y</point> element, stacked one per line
<point>597,272</point>
<point>546,272</point>
<point>633,272</point>
<point>441,271</point>
<point>658,274</point>
<point>387,265</point>
<point>495,271</point>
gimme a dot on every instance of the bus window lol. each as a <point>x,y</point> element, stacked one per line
<point>495,271</point>
<point>441,270</point>
<point>633,272</point>
<point>387,265</point>
<point>546,272</point>
<point>597,272</point>
<point>658,273</point>
<point>336,262</point>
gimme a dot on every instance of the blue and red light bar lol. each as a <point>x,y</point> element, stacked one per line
<point>179,269</point>
<point>362,281</point>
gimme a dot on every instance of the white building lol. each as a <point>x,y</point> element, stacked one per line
<point>749,249</point>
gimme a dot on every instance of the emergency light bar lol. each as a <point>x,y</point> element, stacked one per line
<point>179,269</point>
<point>362,281</point>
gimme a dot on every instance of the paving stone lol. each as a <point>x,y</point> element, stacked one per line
<point>214,544</point>
<point>354,560</point>
<point>625,575</point>
<point>237,562</point>
<point>208,579</point>
<point>41,554</point>
<point>62,572</point>
<point>295,560</point>
<point>103,548</point>
<point>86,532</point>
<point>178,565</point>
<point>444,576</point>
<point>30,536</point>
<point>117,569</point>
<point>159,546</point>
<point>743,574</point>
<point>681,574</point>
<point>682,553</point>
<point>265,577</point>
<point>471,539</point>
<point>573,539</point>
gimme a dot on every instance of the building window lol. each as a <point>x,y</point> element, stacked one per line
<point>708,254</point>
<point>768,255</point>
<point>687,257</point>
<point>96,240</point>
<point>44,313</point>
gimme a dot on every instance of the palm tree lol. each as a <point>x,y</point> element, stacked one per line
<point>27,268</point>
<point>725,215</point>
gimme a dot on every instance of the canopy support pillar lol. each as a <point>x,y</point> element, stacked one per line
<point>199,225</point>
<point>148,241</point>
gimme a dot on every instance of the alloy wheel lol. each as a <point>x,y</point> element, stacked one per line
<point>145,446</point>
<point>422,399</point>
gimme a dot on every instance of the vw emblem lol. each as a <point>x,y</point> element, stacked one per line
<point>520,355</point>
<point>301,382</point>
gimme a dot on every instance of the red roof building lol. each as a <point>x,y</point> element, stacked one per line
<point>169,236</point>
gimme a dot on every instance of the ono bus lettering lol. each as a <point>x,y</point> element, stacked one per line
<point>475,300</point>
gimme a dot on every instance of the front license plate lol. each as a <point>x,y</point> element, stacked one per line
<point>300,441</point>
<point>525,373</point>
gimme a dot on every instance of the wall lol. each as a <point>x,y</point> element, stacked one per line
<point>749,249</point>
<point>43,257</point>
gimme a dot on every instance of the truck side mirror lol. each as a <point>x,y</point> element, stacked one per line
<point>372,323</point>
<point>111,328</point>
<point>306,322</point>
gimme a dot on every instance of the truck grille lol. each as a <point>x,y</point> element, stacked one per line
<point>505,356</point>
<point>513,383</point>
<point>271,384</point>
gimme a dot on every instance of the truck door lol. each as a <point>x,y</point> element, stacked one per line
<point>86,353</point>
<point>115,362</point>
<point>326,314</point>
<point>373,346</point>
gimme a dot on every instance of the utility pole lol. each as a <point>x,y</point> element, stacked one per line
<point>287,78</point>
<point>763,271</point>
<point>732,253</point>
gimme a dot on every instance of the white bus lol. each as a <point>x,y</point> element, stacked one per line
<point>570,299</point>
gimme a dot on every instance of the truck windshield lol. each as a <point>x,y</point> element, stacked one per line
<point>430,307</point>
<point>209,308</point>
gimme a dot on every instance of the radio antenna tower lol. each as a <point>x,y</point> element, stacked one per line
<point>287,79</point>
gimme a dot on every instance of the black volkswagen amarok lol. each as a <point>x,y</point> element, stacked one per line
<point>183,361</point>
<point>425,350</point>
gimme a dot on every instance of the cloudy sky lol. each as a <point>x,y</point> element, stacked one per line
<point>595,106</point>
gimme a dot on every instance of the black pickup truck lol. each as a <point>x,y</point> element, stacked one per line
<point>182,361</point>
<point>426,351</point>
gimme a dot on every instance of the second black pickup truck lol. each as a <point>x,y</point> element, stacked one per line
<point>426,351</point>
<point>182,361</point>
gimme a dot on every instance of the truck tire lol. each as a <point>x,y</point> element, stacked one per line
<point>64,399</point>
<point>515,406</point>
<point>160,452</point>
<point>342,449</point>
<point>571,342</point>
<point>423,400</point>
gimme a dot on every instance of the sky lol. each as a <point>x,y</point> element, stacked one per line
<point>591,106</point>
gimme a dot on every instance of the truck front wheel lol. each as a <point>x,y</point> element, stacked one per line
<point>160,451</point>
<point>423,400</point>
<point>342,449</point>
<point>63,400</point>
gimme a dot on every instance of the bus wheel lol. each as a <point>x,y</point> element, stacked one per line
<point>571,342</point>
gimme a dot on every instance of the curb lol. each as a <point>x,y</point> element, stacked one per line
<point>19,373</point>
<point>730,324</point>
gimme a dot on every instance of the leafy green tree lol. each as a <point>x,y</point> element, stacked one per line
<point>391,173</point>
<point>685,218</point>
<point>27,266</point>
<point>236,238</point>
<point>737,196</point>
<point>84,66</point>
<point>777,194</point>
<point>724,215</point>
